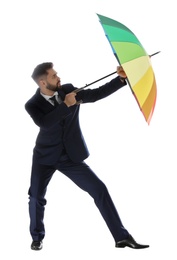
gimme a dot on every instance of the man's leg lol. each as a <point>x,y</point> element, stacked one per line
<point>40,177</point>
<point>85,178</point>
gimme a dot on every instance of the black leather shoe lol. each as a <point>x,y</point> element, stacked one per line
<point>130,242</point>
<point>36,245</point>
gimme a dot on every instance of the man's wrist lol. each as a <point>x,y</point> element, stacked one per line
<point>122,79</point>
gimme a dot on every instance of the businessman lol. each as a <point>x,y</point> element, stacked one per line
<point>60,146</point>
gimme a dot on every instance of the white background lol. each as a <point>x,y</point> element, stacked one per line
<point>140,173</point>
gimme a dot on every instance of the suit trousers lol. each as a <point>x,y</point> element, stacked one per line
<point>82,175</point>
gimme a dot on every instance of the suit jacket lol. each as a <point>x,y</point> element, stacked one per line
<point>59,128</point>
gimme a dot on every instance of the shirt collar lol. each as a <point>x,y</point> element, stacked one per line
<point>48,97</point>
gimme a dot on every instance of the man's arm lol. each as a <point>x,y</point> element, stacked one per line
<point>93,95</point>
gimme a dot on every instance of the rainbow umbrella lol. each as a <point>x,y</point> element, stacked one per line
<point>135,61</point>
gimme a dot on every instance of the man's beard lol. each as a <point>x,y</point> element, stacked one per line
<point>52,87</point>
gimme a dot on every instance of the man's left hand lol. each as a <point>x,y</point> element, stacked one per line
<point>121,72</point>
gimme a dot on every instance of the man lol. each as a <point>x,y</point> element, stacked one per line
<point>60,146</point>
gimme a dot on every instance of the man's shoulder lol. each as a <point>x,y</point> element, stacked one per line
<point>34,98</point>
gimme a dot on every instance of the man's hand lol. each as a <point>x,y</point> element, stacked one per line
<point>121,72</point>
<point>70,99</point>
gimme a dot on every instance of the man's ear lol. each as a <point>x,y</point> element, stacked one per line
<point>42,83</point>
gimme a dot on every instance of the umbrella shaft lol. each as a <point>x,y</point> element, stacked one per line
<point>154,53</point>
<point>79,89</point>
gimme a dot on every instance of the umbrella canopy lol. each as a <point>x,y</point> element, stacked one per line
<point>135,61</point>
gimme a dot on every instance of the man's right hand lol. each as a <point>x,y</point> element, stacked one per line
<point>70,99</point>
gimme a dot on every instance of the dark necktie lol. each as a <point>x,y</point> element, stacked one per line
<point>54,101</point>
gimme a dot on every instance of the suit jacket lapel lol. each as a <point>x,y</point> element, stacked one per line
<point>43,102</point>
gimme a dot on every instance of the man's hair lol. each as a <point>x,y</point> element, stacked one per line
<point>41,70</point>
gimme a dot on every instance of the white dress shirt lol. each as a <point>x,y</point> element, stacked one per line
<point>58,99</point>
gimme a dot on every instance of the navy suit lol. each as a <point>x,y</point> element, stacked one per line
<point>60,145</point>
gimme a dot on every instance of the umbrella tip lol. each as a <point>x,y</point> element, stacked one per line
<point>154,54</point>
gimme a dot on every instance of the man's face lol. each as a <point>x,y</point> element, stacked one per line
<point>52,80</point>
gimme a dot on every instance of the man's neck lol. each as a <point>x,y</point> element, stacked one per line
<point>47,92</point>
